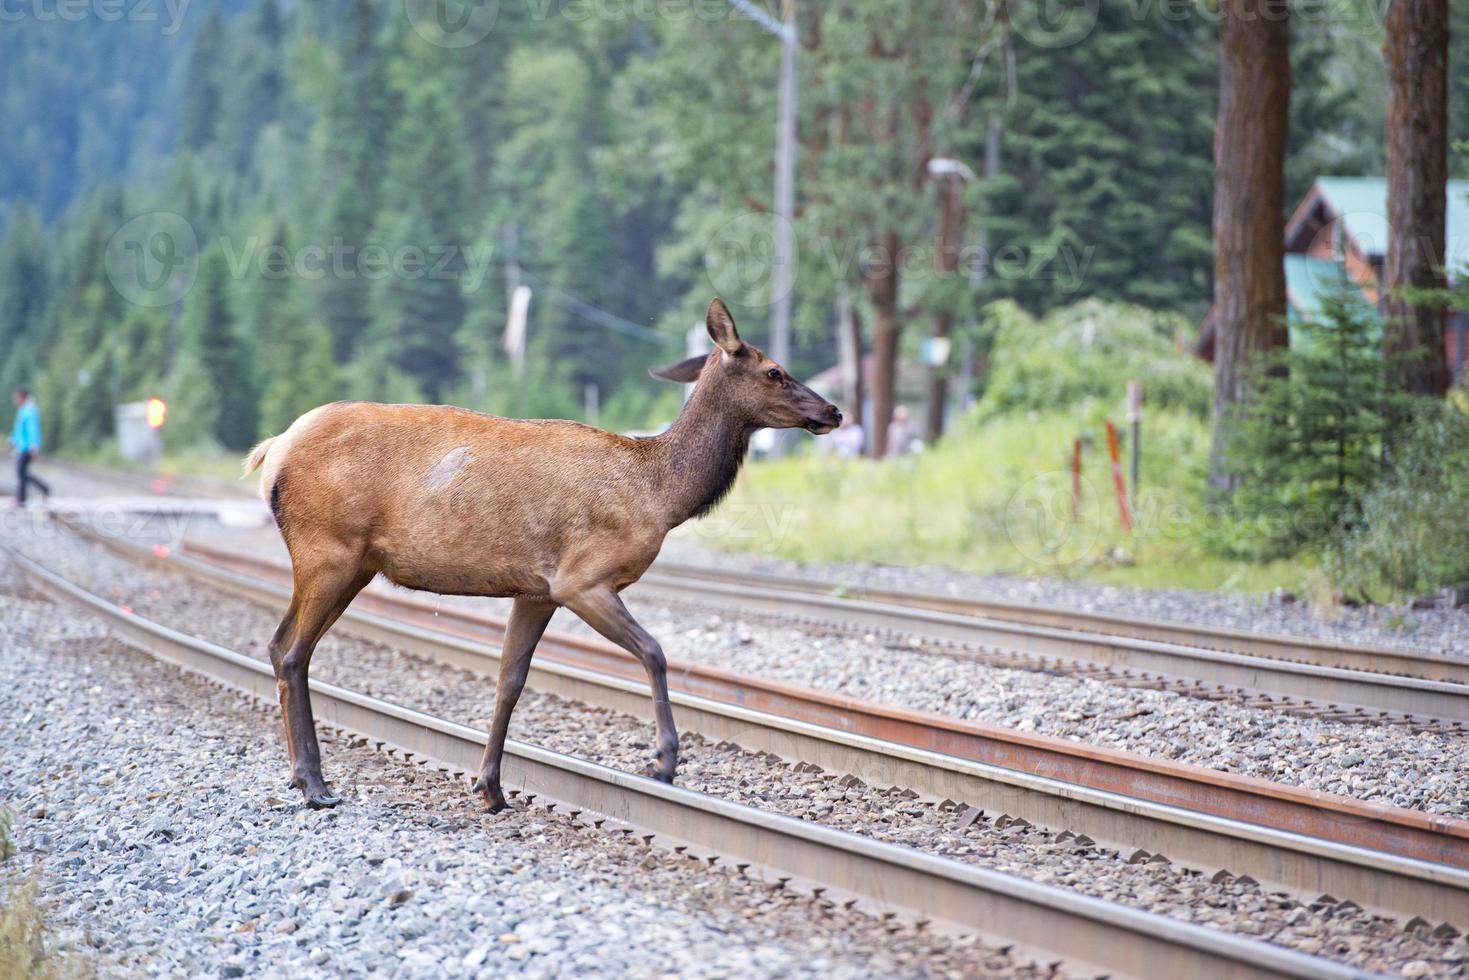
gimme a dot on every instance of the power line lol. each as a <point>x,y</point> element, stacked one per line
<point>582,308</point>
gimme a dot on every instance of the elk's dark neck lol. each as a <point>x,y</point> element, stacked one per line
<point>703,450</point>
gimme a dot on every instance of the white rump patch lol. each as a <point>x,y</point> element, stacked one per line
<point>446,469</point>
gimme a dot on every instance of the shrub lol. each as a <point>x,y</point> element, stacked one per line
<point>26,950</point>
<point>1089,350</point>
<point>1412,535</point>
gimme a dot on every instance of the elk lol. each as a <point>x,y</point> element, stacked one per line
<point>548,513</point>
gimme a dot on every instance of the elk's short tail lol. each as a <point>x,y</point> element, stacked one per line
<point>257,456</point>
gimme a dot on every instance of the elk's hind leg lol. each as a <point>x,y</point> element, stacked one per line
<point>321,594</point>
<point>528,619</point>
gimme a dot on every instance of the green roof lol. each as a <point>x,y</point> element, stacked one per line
<point>1362,204</point>
<point>1306,279</point>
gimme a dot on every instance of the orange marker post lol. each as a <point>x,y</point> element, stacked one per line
<point>1076,479</point>
<point>1115,451</point>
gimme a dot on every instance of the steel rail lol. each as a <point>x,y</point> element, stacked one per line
<point>1088,932</point>
<point>1389,693</point>
<point>1398,861</point>
<point>670,576</point>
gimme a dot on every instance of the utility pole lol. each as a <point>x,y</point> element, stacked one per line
<point>785,188</point>
<point>784,210</point>
<point>517,302</point>
<point>849,353</point>
<point>949,177</point>
<point>512,260</point>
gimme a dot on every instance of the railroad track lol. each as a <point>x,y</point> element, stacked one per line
<point>673,577</point>
<point>1088,933</point>
<point>1424,692</point>
<point>1342,682</point>
<point>1402,862</point>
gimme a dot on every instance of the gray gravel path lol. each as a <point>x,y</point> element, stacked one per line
<point>1340,931</point>
<point>152,806</point>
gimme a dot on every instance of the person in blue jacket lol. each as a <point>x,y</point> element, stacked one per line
<point>26,438</point>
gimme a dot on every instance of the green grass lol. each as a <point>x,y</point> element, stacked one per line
<point>997,498</point>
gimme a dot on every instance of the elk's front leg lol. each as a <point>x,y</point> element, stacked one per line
<point>603,611</point>
<point>528,619</point>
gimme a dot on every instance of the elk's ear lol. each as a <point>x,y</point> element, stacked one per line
<point>721,328</point>
<point>684,372</point>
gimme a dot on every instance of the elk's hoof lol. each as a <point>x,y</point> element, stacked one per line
<point>656,771</point>
<point>494,799</point>
<point>322,800</point>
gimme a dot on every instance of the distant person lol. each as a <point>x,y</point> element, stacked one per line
<point>26,438</point>
<point>900,432</point>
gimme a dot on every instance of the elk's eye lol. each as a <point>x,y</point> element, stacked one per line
<point>773,374</point>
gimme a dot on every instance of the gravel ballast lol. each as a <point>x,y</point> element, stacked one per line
<point>152,808</point>
<point>1332,929</point>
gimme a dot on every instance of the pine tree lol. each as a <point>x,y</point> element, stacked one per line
<point>25,291</point>
<point>140,352</point>
<point>419,305</point>
<point>211,339</point>
<point>1104,184</point>
<point>302,375</point>
<point>1308,446</point>
<point>1334,129</point>
<point>1459,85</point>
<point>565,228</point>
<point>78,336</point>
<point>202,90</point>
<point>363,108</point>
<point>256,84</point>
<point>193,405</point>
<point>268,295</point>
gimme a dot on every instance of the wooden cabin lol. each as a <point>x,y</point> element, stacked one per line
<point>1341,224</point>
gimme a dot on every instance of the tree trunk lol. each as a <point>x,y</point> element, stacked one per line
<point>1249,204</point>
<point>951,236</point>
<point>1417,53</point>
<point>882,290</point>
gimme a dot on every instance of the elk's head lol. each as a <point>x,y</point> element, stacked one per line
<point>749,384</point>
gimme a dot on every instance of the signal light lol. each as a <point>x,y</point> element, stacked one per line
<point>157,413</point>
